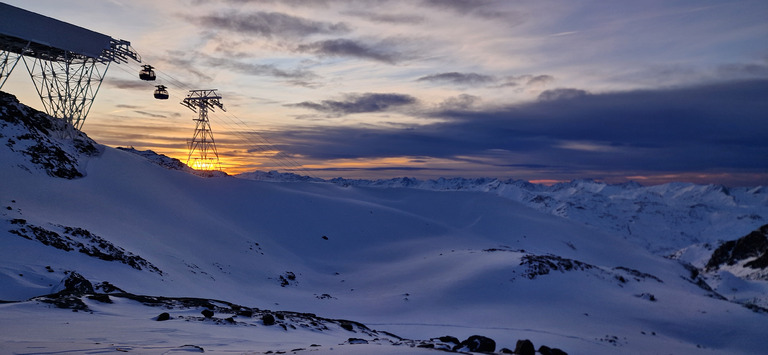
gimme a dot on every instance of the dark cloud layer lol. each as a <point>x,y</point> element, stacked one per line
<point>717,127</point>
<point>350,48</point>
<point>459,78</point>
<point>359,103</point>
<point>270,24</point>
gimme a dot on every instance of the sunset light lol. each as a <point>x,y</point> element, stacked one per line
<point>525,90</point>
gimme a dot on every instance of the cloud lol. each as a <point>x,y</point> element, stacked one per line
<point>461,6</point>
<point>715,127</point>
<point>458,78</point>
<point>561,94</point>
<point>269,24</point>
<point>129,84</point>
<point>540,80</point>
<point>527,80</point>
<point>462,102</point>
<point>350,48</point>
<point>476,79</point>
<point>359,103</point>
<point>261,69</point>
<point>388,18</point>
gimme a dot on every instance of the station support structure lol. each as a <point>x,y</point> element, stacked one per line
<point>202,147</point>
<point>67,63</point>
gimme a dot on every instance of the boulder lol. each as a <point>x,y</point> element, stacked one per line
<point>163,316</point>
<point>524,347</point>
<point>477,344</point>
<point>268,319</point>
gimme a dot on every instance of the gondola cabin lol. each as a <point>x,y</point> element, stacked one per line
<point>147,73</point>
<point>161,93</point>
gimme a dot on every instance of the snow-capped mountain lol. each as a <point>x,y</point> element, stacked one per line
<point>136,254</point>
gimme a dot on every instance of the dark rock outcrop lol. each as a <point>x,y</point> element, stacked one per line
<point>76,285</point>
<point>524,347</point>
<point>754,244</point>
<point>478,344</point>
<point>268,319</point>
<point>33,137</point>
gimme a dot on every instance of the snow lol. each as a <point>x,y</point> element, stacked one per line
<point>416,259</point>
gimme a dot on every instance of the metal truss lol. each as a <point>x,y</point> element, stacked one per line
<point>8,61</point>
<point>67,86</point>
<point>202,147</point>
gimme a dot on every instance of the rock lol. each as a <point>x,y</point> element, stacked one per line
<point>76,284</point>
<point>207,313</point>
<point>545,350</point>
<point>101,298</point>
<point>357,341</point>
<point>506,351</point>
<point>449,339</point>
<point>268,319</point>
<point>478,344</point>
<point>163,317</point>
<point>524,347</point>
<point>347,326</point>
<point>754,244</point>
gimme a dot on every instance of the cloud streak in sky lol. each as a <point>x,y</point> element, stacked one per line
<point>350,48</point>
<point>269,24</point>
<point>359,103</point>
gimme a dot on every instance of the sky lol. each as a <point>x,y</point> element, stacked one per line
<point>545,91</point>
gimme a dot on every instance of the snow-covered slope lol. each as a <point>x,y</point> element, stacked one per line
<point>661,218</point>
<point>404,266</point>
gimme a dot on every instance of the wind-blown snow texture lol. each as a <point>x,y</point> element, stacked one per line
<point>585,267</point>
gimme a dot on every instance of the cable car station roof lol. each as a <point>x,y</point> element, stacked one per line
<point>35,35</point>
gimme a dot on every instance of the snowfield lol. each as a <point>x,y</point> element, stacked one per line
<point>273,263</point>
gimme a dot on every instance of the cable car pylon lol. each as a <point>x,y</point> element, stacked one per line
<point>202,147</point>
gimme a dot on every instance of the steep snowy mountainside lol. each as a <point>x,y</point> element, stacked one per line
<point>661,218</point>
<point>218,254</point>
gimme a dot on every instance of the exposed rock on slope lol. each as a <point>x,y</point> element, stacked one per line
<point>750,250</point>
<point>30,132</point>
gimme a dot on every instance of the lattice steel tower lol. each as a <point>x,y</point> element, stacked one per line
<point>202,148</point>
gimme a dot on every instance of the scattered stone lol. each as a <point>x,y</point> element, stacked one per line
<point>207,313</point>
<point>357,341</point>
<point>163,317</point>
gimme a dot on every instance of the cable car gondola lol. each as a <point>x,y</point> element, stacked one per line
<point>147,73</point>
<point>161,93</point>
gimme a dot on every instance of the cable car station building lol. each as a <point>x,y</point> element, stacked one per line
<point>67,63</point>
